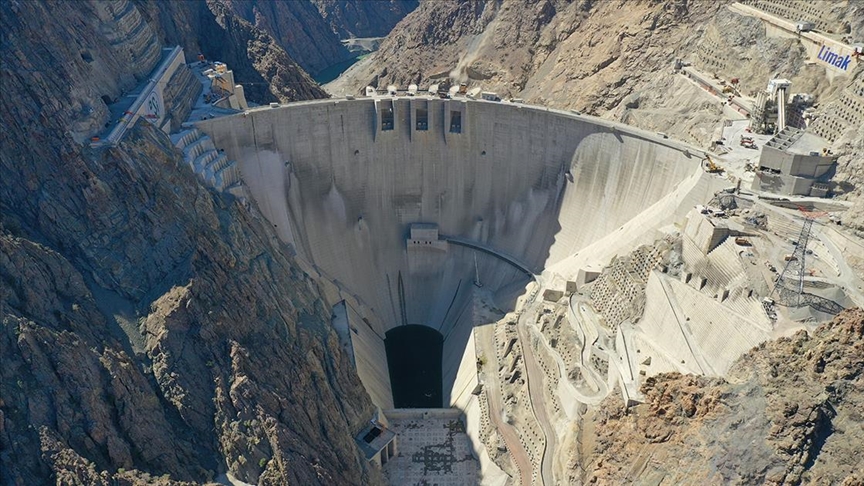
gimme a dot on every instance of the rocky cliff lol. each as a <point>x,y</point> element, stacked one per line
<point>152,330</point>
<point>261,63</point>
<point>298,27</point>
<point>585,55</point>
<point>363,19</point>
<point>260,39</point>
<point>789,413</point>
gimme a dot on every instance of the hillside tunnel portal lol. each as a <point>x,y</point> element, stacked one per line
<point>346,183</point>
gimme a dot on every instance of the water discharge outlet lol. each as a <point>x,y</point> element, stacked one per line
<point>414,359</point>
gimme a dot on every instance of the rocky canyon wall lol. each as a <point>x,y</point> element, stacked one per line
<point>364,19</point>
<point>150,327</point>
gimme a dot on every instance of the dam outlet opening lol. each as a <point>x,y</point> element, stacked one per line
<point>426,221</point>
<point>414,359</point>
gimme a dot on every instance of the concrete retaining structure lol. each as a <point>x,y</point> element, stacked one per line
<point>150,104</point>
<point>342,181</point>
<point>816,44</point>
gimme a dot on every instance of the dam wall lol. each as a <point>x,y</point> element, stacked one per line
<point>342,187</point>
<point>342,181</point>
<point>366,349</point>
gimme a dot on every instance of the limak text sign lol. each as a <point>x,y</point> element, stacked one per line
<point>835,59</point>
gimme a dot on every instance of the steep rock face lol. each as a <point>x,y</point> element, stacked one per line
<point>240,367</point>
<point>87,62</point>
<point>275,69</point>
<point>431,39</point>
<point>282,36</point>
<point>584,55</point>
<point>788,414</point>
<point>260,62</point>
<point>149,326</point>
<point>363,19</point>
<point>296,26</point>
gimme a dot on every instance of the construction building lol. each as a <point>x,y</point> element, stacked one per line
<point>794,163</point>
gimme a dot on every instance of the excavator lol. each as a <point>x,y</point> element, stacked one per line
<point>711,167</point>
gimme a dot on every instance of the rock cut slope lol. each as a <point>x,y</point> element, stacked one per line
<point>788,413</point>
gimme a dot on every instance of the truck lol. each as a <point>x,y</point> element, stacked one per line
<point>804,26</point>
<point>489,96</point>
<point>444,89</point>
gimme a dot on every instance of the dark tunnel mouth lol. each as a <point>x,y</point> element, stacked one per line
<point>414,358</point>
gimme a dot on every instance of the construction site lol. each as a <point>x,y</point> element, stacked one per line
<point>533,243</point>
<point>495,268</point>
<point>557,258</point>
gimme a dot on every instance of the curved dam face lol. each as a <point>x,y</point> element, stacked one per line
<point>407,204</point>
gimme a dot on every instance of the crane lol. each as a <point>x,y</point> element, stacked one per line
<point>712,167</point>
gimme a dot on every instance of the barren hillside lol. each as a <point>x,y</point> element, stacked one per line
<point>789,413</point>
<point>584,55</point>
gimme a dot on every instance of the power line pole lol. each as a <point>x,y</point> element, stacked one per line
<point>790,286</point>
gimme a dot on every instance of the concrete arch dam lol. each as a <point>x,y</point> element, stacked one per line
<point>362,188</point>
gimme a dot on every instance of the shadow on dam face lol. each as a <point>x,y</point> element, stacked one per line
<point>414,357</point>
<point>342,185</point>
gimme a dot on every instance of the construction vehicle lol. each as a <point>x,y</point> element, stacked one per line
<point>444,89</point>
<point>727,89</point>
<point>711,167</point>
<point>489,96</point>
<point>804,26</point>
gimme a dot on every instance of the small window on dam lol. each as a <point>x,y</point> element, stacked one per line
<point>422,119</point>
<point>414,359</point>
<point>386,119</point>
<point>455,122</point>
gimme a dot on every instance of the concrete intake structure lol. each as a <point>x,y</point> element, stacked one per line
<point>343,181</point>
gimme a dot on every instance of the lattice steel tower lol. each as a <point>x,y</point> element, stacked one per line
<point>790,286</point>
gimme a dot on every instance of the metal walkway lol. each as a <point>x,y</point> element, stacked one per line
<point>456,240</point>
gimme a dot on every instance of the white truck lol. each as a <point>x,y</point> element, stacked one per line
<point>804,26</point>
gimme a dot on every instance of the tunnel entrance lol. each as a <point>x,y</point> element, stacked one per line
<point>414,359</point>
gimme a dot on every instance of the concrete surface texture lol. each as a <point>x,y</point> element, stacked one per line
<point>342,188</point>
<point>537,185</point>
<point>434,449</point>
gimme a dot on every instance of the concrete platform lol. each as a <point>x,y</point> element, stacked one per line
<point>433,449</point>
